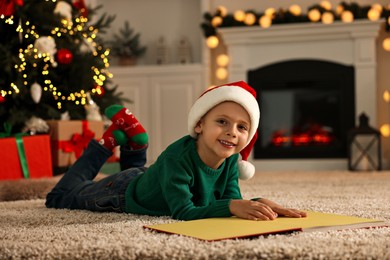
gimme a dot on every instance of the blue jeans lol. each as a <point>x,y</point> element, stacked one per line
<point>77,190</point>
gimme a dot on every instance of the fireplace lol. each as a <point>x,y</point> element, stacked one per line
<point>350,47</point>
<point>307,107</point>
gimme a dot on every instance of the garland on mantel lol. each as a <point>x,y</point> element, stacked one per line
<point>318,13</point>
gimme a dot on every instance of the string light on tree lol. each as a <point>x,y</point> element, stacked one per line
<point>38,67</point>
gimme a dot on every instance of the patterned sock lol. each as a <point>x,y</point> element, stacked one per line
<point>113,137</point>
<point>125,121</point>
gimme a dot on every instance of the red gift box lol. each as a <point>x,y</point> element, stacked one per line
<point>69,138</point>
<point>37,154</point>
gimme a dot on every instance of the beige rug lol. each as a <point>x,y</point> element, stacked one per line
<point>30,231</point>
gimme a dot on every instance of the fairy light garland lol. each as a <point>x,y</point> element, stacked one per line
<point>31,54</point>
<point>321,13</point>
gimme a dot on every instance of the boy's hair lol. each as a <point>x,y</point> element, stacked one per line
<point>241,93</point>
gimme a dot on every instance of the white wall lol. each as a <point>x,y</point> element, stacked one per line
<point>172,19</point>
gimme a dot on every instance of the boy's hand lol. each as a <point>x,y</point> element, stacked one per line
<point>262,209</point>
<point>252,210</point>
<point>282,211</point>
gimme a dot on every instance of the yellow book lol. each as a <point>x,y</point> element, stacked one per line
<point>211,229</point>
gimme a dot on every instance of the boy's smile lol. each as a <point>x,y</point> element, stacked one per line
<point>222,132</point>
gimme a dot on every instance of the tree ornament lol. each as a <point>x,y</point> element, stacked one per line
<point>36,125</point>
<point>2,99</point>
<point>65,10</point>
<point>7,8</point>
<point>98,90</point>
<point>36,92</point>
<point>81,6</point>
<point>64,56</point>
<point>47,45</point>
<point>86,46</point>
<point>92,110</point>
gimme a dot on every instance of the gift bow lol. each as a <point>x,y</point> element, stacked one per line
<point>79,142</point>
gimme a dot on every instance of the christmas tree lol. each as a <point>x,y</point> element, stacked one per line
<point>52,61</point>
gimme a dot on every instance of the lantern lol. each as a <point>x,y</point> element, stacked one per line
<point>364,147</point>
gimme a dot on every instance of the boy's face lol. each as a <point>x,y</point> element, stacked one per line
<point>222,132</point>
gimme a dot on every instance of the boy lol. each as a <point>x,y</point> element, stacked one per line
<point>195,177</point>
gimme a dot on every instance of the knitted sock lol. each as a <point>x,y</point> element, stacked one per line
<point>113,137</point>
<point>125,121</point>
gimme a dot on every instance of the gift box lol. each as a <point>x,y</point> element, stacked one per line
<point>25,157</point>
<point>69,138</point>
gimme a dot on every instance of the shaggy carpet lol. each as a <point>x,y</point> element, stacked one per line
<point>28,230</point>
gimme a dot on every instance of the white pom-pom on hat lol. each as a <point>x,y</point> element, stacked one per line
<point>241,93</point>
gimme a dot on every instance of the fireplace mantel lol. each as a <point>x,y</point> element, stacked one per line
<point>346,43</point>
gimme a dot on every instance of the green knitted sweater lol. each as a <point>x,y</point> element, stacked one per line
<point>180,185</point>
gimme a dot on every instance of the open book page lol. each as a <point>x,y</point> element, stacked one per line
<point>225,228</point>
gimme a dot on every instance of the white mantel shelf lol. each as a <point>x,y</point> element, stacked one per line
<point>352,44</point>
<point>300,32</point>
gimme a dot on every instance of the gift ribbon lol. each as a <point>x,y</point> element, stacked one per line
<point>78,142</point>
<point>20,146</point>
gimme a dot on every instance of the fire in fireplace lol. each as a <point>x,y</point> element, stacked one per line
<point>307,108</point>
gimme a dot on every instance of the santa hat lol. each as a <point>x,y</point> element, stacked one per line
<point>241,93</point>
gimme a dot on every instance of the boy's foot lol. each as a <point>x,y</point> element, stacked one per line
<point>113,137</point>
<point>124,120</point>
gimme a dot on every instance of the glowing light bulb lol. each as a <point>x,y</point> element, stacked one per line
<point>222,10</point>
<point>223,60</point>
<point>386,44</point>
<point>339,9</point>
<point>221,73</point>
<point>326,5</point>
<point>250,19</point>
<point>347,16</point>
<point>314,15</point>
<point>377,7</point>
<point>239,15</point>
<point>270,11</point>
<point>373,14</point>
<point>386,96</point>
<point>265,21</point>
<point>385,130</point>
<point>212,42</point>
<point>327,18</point>
<point>216,21</point>
<point>295,10</point>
